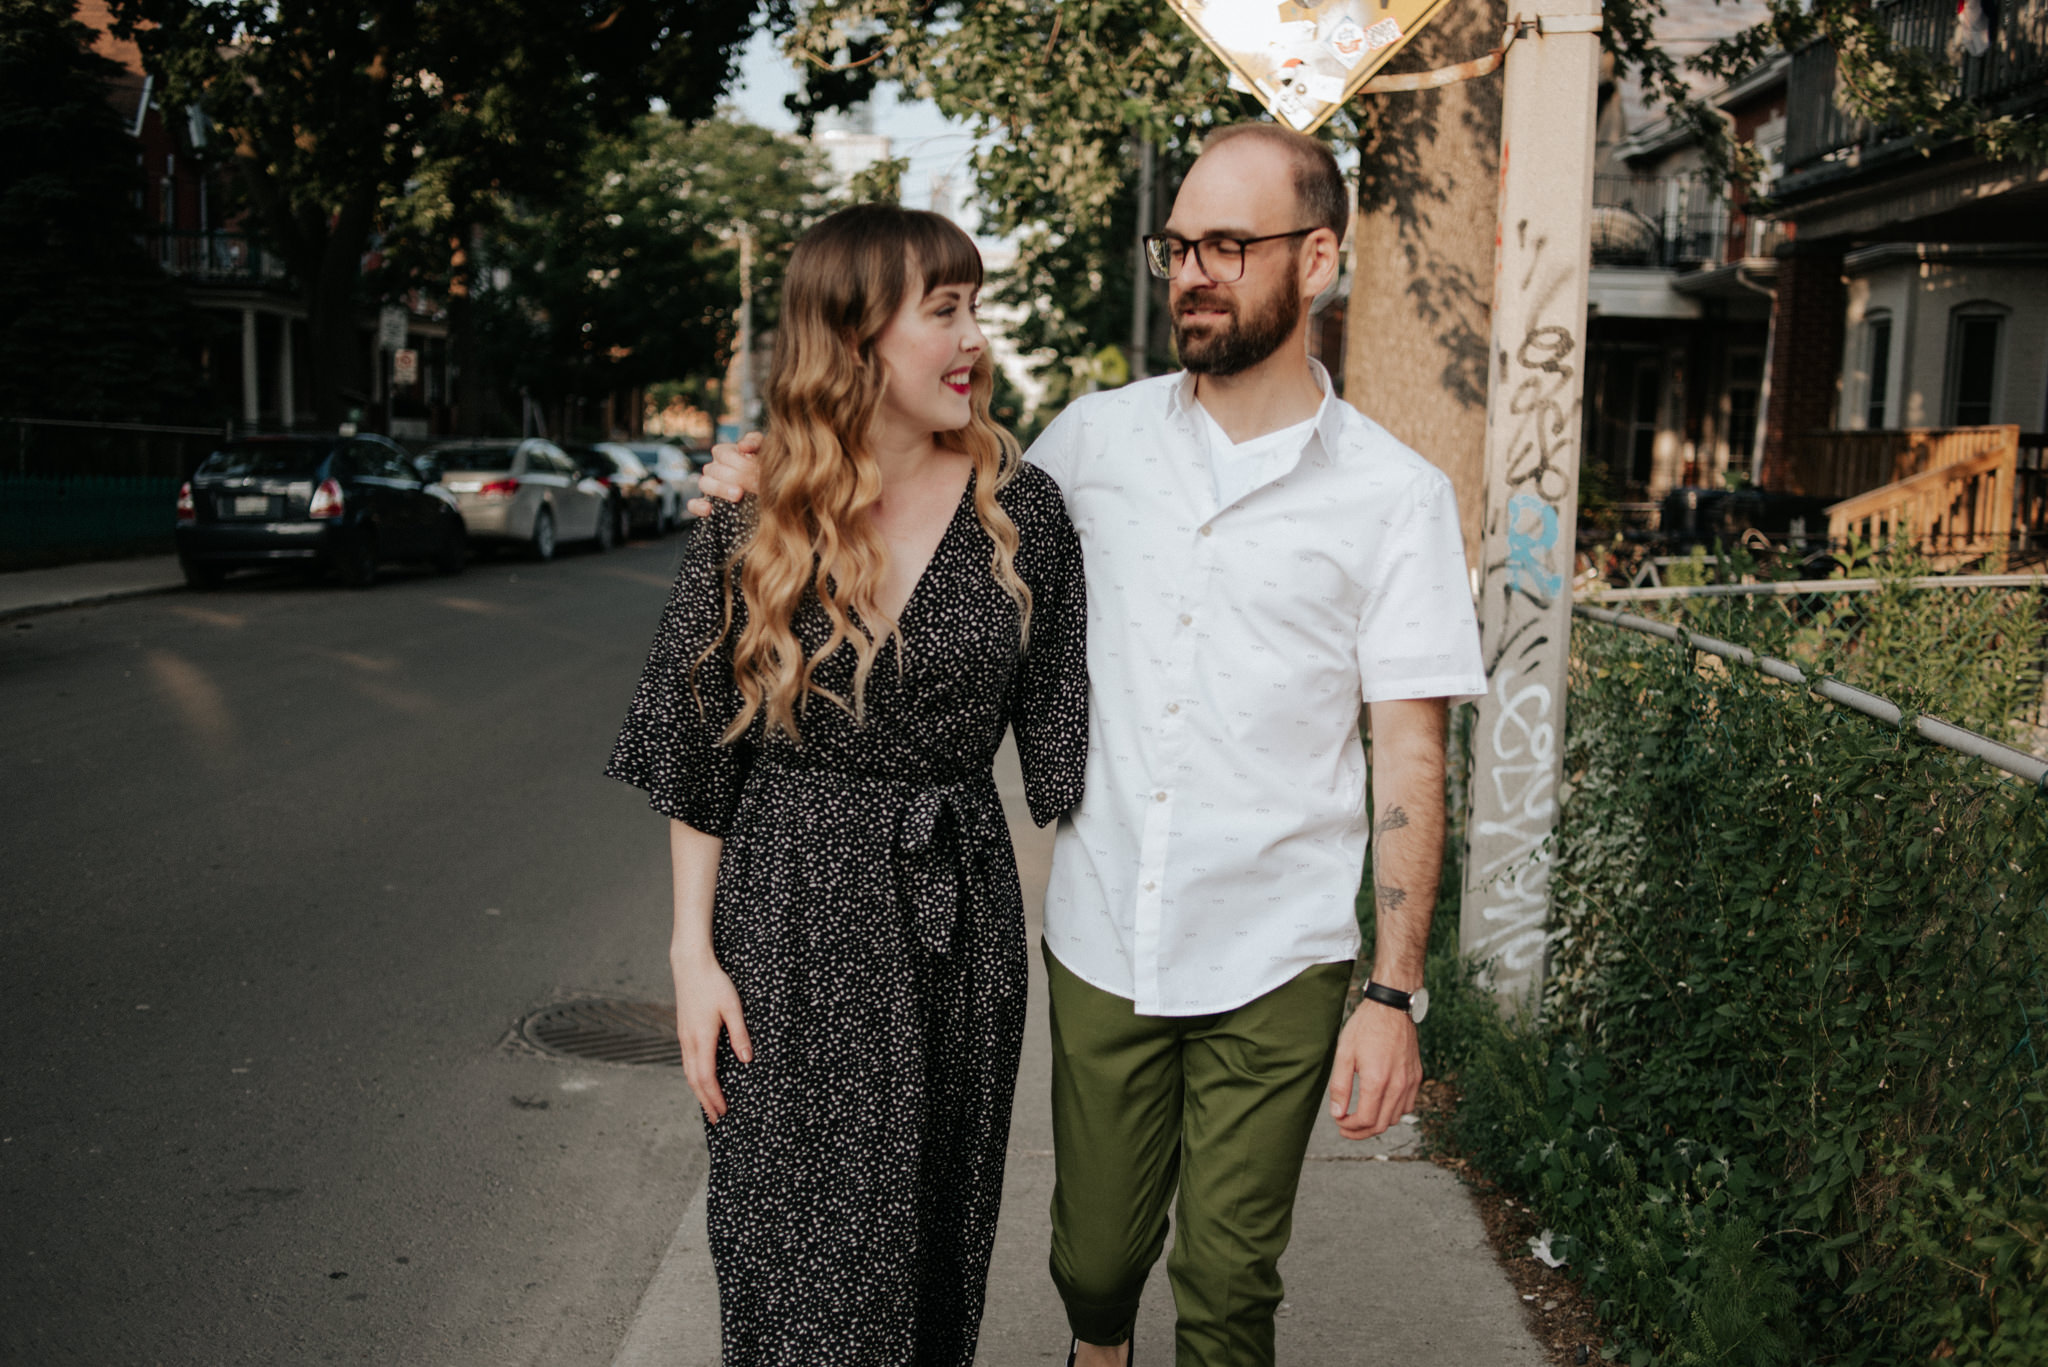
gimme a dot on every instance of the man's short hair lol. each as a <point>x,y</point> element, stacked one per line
<point>1318,184</point>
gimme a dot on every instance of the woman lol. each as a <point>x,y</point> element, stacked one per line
<point>818,718</point>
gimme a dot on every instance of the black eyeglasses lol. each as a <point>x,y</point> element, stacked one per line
<point>1219,258</point>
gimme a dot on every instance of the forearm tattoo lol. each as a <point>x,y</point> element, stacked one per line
<point>1388,895</point>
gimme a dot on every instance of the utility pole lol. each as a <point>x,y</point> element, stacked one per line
<point>1535,383</point>
<point>750,409</point>
<point>1141,278</point>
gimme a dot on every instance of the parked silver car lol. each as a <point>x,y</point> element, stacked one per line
<point>678,475</point>
<point>526,493</point>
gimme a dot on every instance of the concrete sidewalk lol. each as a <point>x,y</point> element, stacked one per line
<point>1389,1263</point>
<point>23,592</point>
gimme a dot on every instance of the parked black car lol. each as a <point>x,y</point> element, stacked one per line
<point>637,496</point>
<point>345,504</point>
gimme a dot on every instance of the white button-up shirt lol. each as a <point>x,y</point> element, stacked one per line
<point>1219,843</point>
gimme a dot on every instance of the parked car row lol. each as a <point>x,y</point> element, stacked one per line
<point>347,505</point>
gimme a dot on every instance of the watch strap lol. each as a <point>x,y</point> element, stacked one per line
<point>1387,996</point>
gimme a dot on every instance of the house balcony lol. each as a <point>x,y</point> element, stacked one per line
<point>1677,223</point>
<point>1824,144</point>
<point>216,258</point>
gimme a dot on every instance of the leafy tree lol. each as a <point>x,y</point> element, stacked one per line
<point>89,326</point>
<point>1067,90</point>
<point>344,118</point>
<point>634,278</point>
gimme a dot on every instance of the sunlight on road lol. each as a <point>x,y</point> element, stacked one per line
<point>197,699</point>
<point>210,616</point>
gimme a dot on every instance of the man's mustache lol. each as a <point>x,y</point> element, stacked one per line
<point>1206,300</point>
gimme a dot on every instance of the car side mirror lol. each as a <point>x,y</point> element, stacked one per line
<point>430,471</point>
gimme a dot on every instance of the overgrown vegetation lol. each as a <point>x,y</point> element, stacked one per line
<point>1783,1098</point>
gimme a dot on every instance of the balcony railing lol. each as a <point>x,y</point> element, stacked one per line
<point>1669,221</point>
<point>2014,69</point>
<point>218,258</point>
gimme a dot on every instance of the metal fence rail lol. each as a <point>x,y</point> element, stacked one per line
<point>1943,733</point>
<point>1799,588</point>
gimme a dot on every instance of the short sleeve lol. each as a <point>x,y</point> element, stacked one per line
<point>1418,636</point>
<point>1048,701</point>
<point>1053,452</point>
<point>672,743</point>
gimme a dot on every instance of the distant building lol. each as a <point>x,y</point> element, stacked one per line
<point>256,359</point>
<point>1679,301</point>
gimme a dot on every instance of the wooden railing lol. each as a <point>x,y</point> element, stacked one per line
<point>1844,464</point>
<point>1953,512</point>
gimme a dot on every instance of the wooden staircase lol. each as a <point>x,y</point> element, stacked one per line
<point>1958,494</point>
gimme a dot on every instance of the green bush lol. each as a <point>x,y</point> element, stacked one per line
<point>1782,1100</point>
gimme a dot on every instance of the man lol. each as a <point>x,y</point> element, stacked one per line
<point>1261,560</point>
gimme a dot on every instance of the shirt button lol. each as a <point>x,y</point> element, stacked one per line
<point>1173,707</point>
<point>1151,886</point>
<point>1159,796</point>
<point>1187,620</point>
<point>1206,531</point>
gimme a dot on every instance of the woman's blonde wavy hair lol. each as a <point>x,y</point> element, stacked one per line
<point>846,279</point>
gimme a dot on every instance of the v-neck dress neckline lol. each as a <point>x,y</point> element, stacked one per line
<point>961,509</point>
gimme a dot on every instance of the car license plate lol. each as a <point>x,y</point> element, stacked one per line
<point>252,505</point>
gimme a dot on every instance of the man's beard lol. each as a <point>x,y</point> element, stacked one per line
<point>1243,340</point>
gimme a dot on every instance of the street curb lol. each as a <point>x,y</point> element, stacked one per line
<point>84,601</point>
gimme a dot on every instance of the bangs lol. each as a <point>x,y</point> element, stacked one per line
<point>944,253</point>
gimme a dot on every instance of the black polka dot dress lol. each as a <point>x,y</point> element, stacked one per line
<point>869,915</point>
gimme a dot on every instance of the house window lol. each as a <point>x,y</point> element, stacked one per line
<point>1975,334</point>
<point>1745,386</point>
<point>1642,437</point>
<point>1878,361</point>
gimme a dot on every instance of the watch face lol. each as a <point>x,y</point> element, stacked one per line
<point>1418,1005</point>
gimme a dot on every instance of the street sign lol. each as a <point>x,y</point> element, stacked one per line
<point>405,366</point>
<point>1305,58</point>
<point>392,321</point>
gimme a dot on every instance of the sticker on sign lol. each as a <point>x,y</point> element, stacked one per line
<point>1304,58</point>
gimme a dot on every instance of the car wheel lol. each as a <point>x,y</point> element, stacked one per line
<point>454,552</point>
<point>357,564</point>
<point>202,576</point>
<point>607,530</point>
<point>543,544</point>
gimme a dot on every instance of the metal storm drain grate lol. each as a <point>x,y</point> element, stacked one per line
<point>607,1031</point>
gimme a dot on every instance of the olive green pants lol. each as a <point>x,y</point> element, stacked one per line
<point>1220,1106</point>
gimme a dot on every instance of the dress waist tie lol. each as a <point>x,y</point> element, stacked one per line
<point>935,846</point>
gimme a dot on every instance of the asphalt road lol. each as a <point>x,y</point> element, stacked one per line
<point>283,867</point>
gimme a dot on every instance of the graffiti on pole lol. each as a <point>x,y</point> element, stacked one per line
<point>1532,457</point>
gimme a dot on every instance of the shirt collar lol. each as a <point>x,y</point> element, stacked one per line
<point>1180,400</point>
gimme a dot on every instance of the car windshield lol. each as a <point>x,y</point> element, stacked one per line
<point>480,457</point>
<point>266,459</point>
<point>663,458</point>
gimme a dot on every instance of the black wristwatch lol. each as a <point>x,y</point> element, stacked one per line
<point>1415,1003</point>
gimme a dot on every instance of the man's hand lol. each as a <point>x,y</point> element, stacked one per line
<point>734,472</point>
<point>1378,1048</point>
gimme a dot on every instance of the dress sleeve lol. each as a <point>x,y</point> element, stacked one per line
<point>1048,702</point>
<point>671,743</point>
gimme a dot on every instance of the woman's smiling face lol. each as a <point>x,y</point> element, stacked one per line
<point>927,353</point>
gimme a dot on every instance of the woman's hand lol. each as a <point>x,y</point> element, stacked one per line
<point>734,472</point>
<point>706,1003</point>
